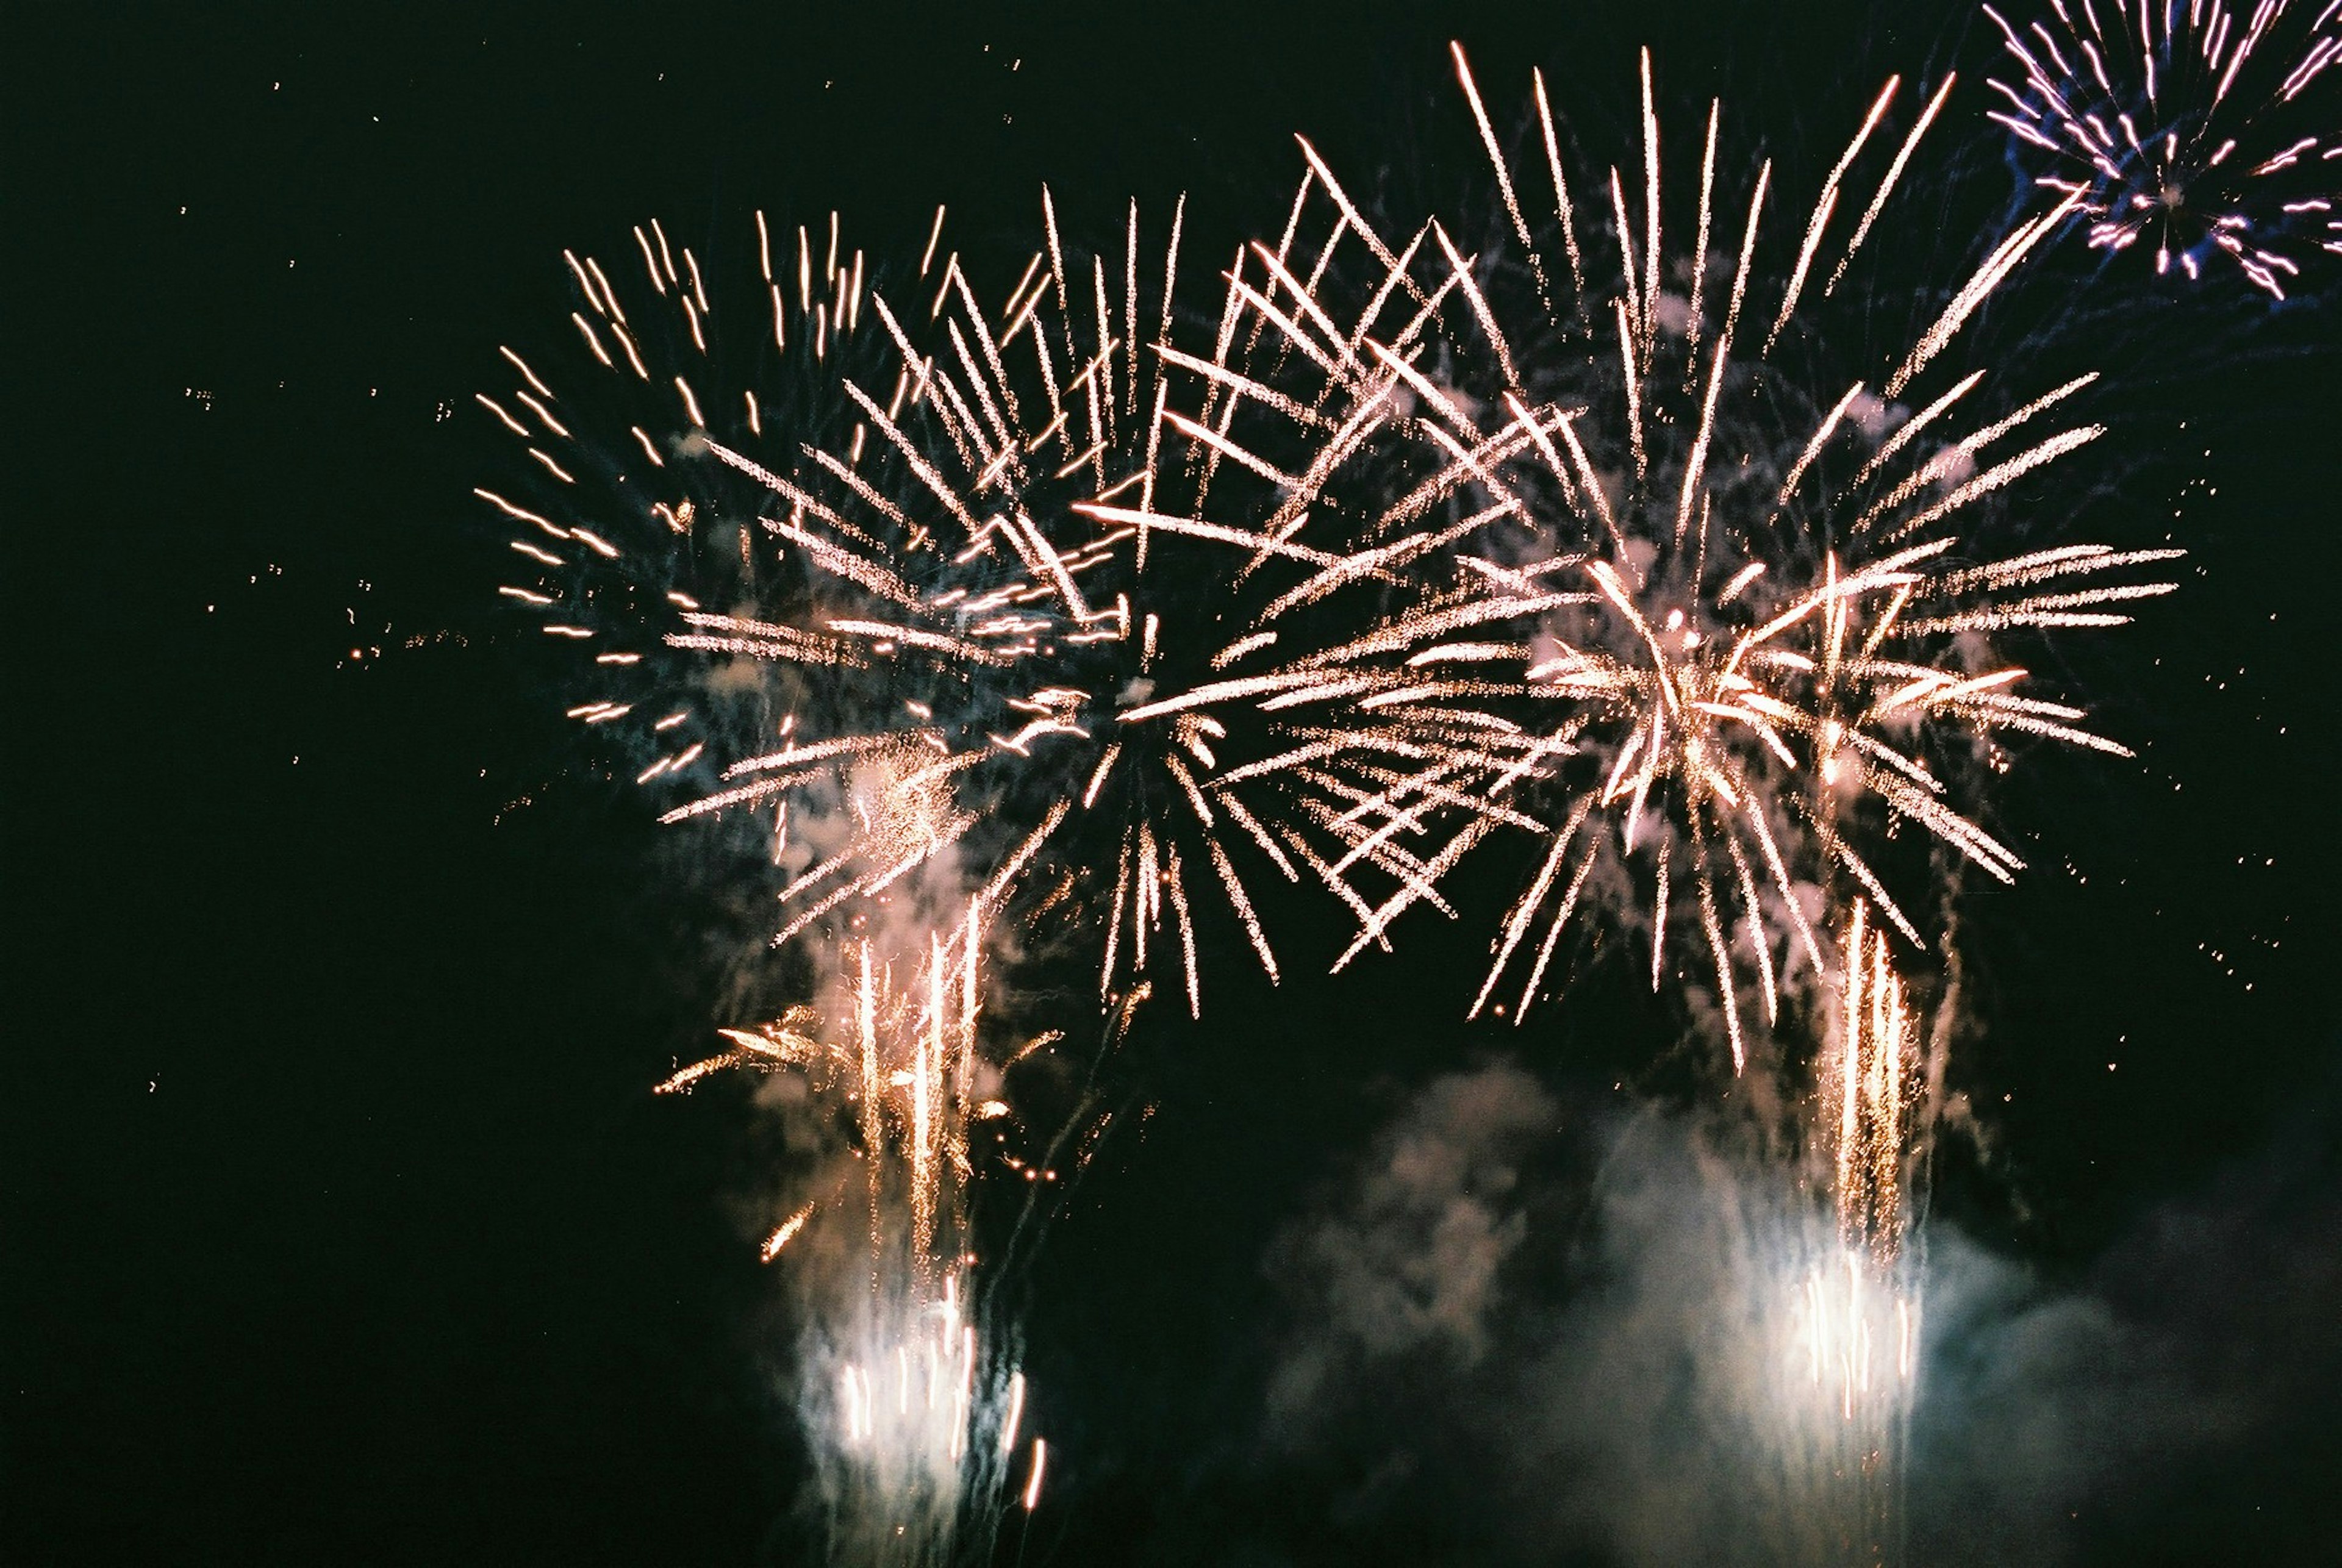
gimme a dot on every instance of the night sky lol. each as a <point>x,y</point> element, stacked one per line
<point>340,1223</point>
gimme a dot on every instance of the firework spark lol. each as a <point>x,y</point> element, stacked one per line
<point>924,1408</point>
<point>2196,125</point>
<point>1875,1084</point>
<point>1859,1324</point>
<point>938,599</point>
<point>1705,628</point>
<point>988,617</point>
<point>1854,1325</point>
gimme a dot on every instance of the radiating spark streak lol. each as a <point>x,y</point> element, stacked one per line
<point>1631,297</point>
<point>1226,448</point>
<point>1694,469</point>
<point>520,514</point>
<point>1344,360</point>
<point>1699,244</point>
<point>1987,278</point>
<point>1199,528</point>
<point>1237,381</point>
<point>1909,430</point>
<point>1628,331</point>
<point>1463,274</point>
<point>1357,225</point>
<point>1860,870</point>
<point>1526,908</point>
<point>1713,926</point>
<point>1178,886</point>
<point>1560,186</point>
<point>784,1234</point>
<point>1650,308</point>
<point>1553,928</point>
<point>1993,478</point>
<point>1497,161</point>
<point>1887,185</point>
<point>1762,950</point>
<point>509,423</point>
<point>1260,835</point>
<point>1824,206</point>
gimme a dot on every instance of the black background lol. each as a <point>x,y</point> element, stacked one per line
<point>340,1224</point>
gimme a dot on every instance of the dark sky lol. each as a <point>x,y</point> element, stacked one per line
<point>340,1224</point>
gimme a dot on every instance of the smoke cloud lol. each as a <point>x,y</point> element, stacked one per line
<point>1529,1327</point>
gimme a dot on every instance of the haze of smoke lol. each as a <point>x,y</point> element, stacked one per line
<point>1624,1405</point>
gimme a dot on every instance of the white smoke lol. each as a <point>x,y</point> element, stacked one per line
<point>1604,1378</point>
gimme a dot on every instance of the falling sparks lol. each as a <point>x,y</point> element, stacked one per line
<point>1857,1338</point>
<point>1855,1323</point>
<point>1873,1083</point>
<point>925,1407</point>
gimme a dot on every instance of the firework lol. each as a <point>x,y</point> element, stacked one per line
<point>1718,637</point>
<point>629,547</point>
<point>935,603</point>
<point>1874,1083</point>
<point>917,1403</point>
<point>1856,1334</point>
<point>976,609</point>
<point>1859,1321</point>
<point>2197,126</point>
<point>1847,1336</point>
<point>1854,1327</point>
